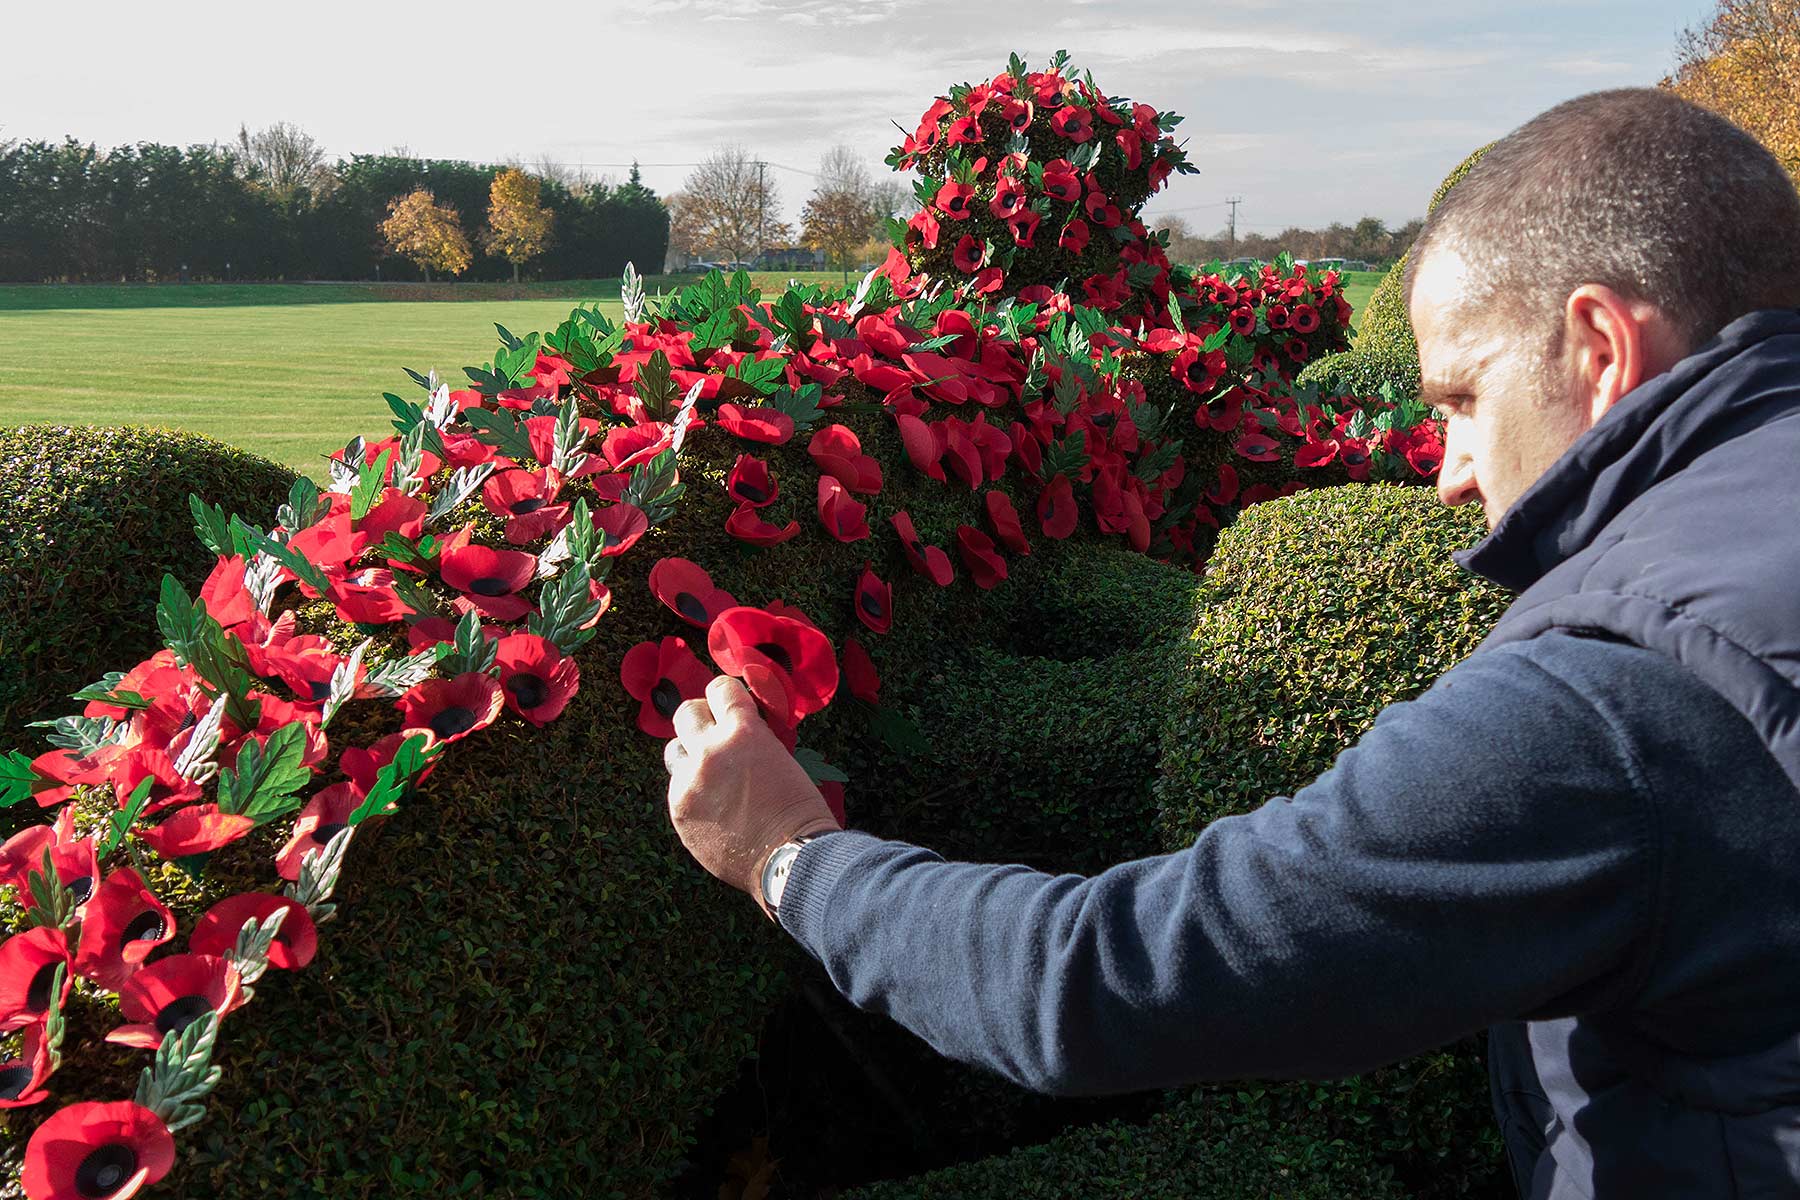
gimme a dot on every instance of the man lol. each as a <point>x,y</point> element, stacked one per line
<point>1585,837</point>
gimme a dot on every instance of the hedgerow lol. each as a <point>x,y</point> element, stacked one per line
<point>868,507</point>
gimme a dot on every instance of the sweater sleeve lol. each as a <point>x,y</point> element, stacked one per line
<point>1485,853</point>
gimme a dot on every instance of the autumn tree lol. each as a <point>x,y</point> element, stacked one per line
<point>518,225</point>
<point>846,209</point>
<point>429,233</point>
<point>283,159</point>
<point>1744,64</point>
<point>728,208</point>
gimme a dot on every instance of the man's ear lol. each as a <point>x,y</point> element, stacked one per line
<point>1612,345</point>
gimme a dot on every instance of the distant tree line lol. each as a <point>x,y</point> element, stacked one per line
<point>1369,240</point>
<point>270,208</point>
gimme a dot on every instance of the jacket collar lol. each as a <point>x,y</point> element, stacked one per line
<point>1653,431</point>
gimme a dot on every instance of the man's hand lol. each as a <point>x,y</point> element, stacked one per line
<point>735,793</point>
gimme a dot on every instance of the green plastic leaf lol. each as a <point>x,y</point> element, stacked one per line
<point>264,781</point>
<point>119,823</point>
<point>17,778</point>
<point>211,525</point>
<point>816,768</point>
<point>369,485</point>
<point>393,781</point>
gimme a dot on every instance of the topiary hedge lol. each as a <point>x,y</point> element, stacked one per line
<point>539,993</point>
<point>1385,351</point>
<point>93,517</point>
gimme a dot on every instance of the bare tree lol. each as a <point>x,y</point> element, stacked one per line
<point>283,158</point>
<point>727,208</point>
<point>847,208</point>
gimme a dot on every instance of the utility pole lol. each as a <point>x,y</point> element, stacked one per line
<point>762,197</point>
<point>1231,230</point>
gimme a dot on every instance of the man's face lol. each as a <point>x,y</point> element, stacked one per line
<point>1506,421</point>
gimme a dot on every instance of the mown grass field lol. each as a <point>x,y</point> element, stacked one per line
<point>291,371</point>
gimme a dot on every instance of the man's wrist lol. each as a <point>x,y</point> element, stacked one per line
<point>763,881</point>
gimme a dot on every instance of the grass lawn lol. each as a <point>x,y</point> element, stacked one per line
<point>291,371</point>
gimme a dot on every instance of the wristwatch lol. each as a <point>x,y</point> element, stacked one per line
<point>775,870</point>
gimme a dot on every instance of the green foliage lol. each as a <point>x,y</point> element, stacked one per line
<point>93,518</point>
<point>1224,1146</point>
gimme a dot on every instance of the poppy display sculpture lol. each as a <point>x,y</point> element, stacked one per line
<point>452,574</point>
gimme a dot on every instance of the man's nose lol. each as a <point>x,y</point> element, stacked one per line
<point>1456,480</point>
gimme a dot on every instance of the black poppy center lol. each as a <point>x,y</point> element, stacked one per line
<point>1050,511</point>
<point>188,721</point>
<point>1196,371</point>
<point>776,653</point>
<point>1009,200</point>
<point>665,697</point>
<point>105,1170</point>
<point>958,203</point>
<point>325,832</point>
<point>147,926</point>
<point>37,996</point>
<point>528,505</point>
<point>177,1015</point>
<point>320,688</point>
<point>14,1081</point>
<point>1355,458</point>
<point>1021,122</point>
<point>528,691</point>
<point>82,886</point>
<point>750,492</point>
<point>1105,420</point>
<point>490,586</point>
<point>689,606</point>
<point>453,720</point>
<point>871,603</point>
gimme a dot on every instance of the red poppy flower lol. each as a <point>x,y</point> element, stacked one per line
<point>747,525</point>
<point>490,578</point>
<point>1005,520</point>
<point>1226,489</point>
<point>227,600</point>
<point>1277,316</point>
<point>1198,371</point>
<point>1424,455</point>
<point>451,709</point>
<point>527,499</point>
<point>837,451</point>
<point>987,282</point>
<point>368,598</point>
<point>1242,321</point>
<point>538,679</point>
<point>623,524</point>
<point>97,1151</point>
<point>1305,319</point>
<point>172,993</point>
<point>75,865</point>
<point>1017,114</point>
<point>842,516</point>
<point>1355,453</point>
<point>976,549</point>
<point>922,447</point>
<point>1258,447</point>
<point>323,818</point>
<point>1061,181</point>
<point>395,512</point>
<point>928,561</point>
<point>1297,351</point>
<point>688,591</point>
<point>969,252</point>
<point>860,675</point>
<point>28,963</point>
<point>1131,146</point>
<point>625,446</point>
<point>22,1078</point>
<point>296,941</point>
<point>874,601</point>
<point>196,829</point>
<point>1072,122</point>
<point>1074,237</point>
<point>953,200</point>
<point>123,924</point>
<point>23,853</point>
<point>750,482</point>
<point>788,665</point>
<point>1057,512</point>
<point>759,424</point>
<point>660,675</point>
<point>1009,198</point>
<point>964,131</point>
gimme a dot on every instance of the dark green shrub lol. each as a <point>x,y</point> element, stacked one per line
<point>93,517</point>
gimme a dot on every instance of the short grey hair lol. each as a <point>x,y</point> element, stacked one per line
<point>1638,190</point>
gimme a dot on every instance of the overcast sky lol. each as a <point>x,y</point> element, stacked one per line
<point>1311,110</point>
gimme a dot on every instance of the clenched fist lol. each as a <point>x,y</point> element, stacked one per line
<point>735,793</point>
